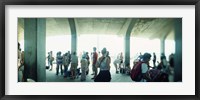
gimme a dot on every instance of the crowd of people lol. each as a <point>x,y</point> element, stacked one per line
<point>98,62</point>
<point>159,72</point>
<point>67,65</point>
<point>101,65</point>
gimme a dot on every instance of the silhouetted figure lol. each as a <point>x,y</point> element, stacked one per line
<point>59,59</point>
<point>154,59</point>
<point>171,60</point>
<point>163,63</point>
<point>50,60</point>
<point>65,64</point>
<point>94,61</point>
<point>88,60</point>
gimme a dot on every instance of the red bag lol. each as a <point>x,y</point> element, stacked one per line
<point>136,72</point>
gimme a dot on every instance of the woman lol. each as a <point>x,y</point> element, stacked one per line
<point>145,66</point>
<point>104,64</point>
<point>84,65</point>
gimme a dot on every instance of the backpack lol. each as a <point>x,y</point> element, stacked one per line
<point>136,72</point>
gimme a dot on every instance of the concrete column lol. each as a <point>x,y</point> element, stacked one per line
<point>73,34</point>
<point>127,49</point>
<point>35,37</point>
<point>162,46</point>
<point>41,49</point>
<point>178,50</point>
<point>127,40</point>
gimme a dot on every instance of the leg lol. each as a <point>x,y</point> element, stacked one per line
<point>57,69</point>
<point>65,70</point>
<point>93,70</point>
<point>51,65</point>
<point>61,69</point>
<point>116,68</point>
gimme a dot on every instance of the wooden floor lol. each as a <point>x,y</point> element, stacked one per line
<point>52,77</point>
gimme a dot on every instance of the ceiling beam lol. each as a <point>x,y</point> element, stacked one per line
<point>124,28</point>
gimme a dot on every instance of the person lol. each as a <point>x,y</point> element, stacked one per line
<point>116,64</point>
<point>171,67</point>
<point>51,59</point>
<point>104,64</point>
<point>145,66</point>
<point>94,61</point>
<point>121,59</point>
<point>65,64</point>
<point>154,59</point>
<point>127,69</point>
<point>140,56</point>
<point>88,60</point>
<point>59,63</point>
<point>74,64</point>
<point>163,66</point>
<point>19,56</point>
<point>20,64</point>
<point>69,57</point>
<point>171,60</point>
<point>109,59</point>
<point>84,65</point>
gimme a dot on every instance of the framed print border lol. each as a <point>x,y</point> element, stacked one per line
<point>99,2</point>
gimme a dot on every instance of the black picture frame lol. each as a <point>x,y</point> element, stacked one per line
<point>3,3</point>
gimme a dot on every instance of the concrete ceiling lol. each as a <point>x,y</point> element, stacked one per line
<point>144,27</point>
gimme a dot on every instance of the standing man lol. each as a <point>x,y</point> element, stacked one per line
<point>154,59</point>
<point>94,61</point>
<point>59,63</point>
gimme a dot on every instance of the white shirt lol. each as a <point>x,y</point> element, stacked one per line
<point>144,68</point>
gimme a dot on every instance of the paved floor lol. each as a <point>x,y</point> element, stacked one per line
<point>52,77</point>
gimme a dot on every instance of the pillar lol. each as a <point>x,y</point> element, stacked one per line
<point>127,41</point>
<point>34,49</point>
<point>162,45</point>
<point>73,35</point>
<point>178,50</point>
